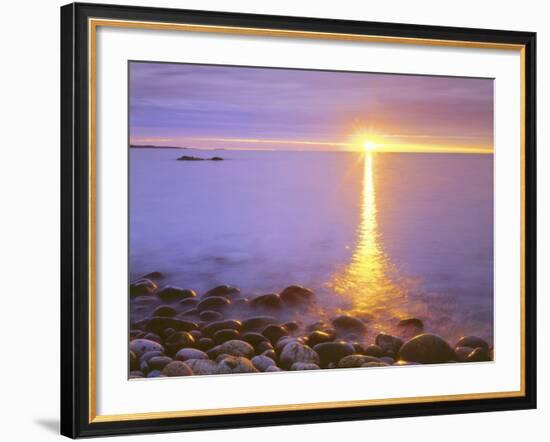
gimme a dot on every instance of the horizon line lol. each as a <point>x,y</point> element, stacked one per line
<point>450,150</point>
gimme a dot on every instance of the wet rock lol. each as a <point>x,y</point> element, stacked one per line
<point>142,287</point>
<point>158,362</point>
<point>153,337</point>
<point>179,340</point>
<point>176,368</point>
<point>375,364</point>
<point>210,315</point>
<point>273,368</point>
<point>139,324</point>
<point>190,353</point>
<point>473,342</point>
<point>270,301</point>
<point>317,326</point>
<point>352,361</point>
<point>291,326</point>
<point>154,276</point>
<point>462,353</point>
<point>400,362</point>
<point>262,362</point>
<point>413,323</point>
<point>213,327</point>
<point>150,354</point>
<point>240,305</point>
<point>281,343</point>
<point>297,352</point>
<point>202,366</point>
<point>333,351</point>
<point>346,324</point>
<point>235,364</point>
<point>427,349</point>
<point>170,293</point>
<point>226,334</point>
<point>374,350</point>
<point>388,343</point>
<point>133,360</point>
<point>167,332</point>
<point>296,296</point>
<point>205,344</point>
<point>196,334</point>
<point>274,332</point>
<point>299,366</point>
<point>216,303</point>
<point>359,348</point>
<point>270,354</point>
<point>164,310</point>
<point>225,291</point>
<point>263,346</point>
<point>134,334</point>
<point>254,338</point>
<point>154,374</point>
<point>232,348</point>
<point>158,323</point>
<point>257,323</point>
<point>135,374</point>
<point>141,346</point>
<point>189,303</point>
<point>189,314</point>
<point>479,354</point>
<point>387,360</point>
<point>317,337</point>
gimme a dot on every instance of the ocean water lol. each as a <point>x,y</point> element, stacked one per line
<point>384,236</point>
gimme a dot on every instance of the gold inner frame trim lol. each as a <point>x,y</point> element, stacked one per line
<point>93,24</point>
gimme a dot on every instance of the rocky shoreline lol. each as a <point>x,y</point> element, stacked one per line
<point>174,332</point>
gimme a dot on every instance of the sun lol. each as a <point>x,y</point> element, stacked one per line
<point>369,145</point>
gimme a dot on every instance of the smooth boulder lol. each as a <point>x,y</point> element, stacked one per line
<point>297,352</point>
<point>141,346</point>
<point>426,348</point>
<point>176,368</point>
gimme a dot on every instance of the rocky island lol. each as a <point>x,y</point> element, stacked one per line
<point>192,158</point>
<point>175,332</point>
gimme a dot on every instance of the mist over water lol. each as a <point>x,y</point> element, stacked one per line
<point>384,236</point>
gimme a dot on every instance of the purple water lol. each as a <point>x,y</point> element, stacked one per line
<point>384,236</point>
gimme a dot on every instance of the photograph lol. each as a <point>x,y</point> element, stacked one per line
<point>284,219</point>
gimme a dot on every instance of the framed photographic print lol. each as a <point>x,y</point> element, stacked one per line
<point>274,220</point>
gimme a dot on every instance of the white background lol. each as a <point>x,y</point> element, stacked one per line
<point>29,238</point>
<point>115,395</point>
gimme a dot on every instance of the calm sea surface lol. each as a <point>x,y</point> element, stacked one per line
<point>384,236</point>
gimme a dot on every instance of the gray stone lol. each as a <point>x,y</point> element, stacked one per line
<point>262,362</point>
<point>232,348</point>
<point>140,346</point>
<point>352,361</point>
<point>202,366</point>
<point>176,368</point>
<point>235,364</point>
<point>299,366</point>
<point>297,352</point>
<point>190,353</point>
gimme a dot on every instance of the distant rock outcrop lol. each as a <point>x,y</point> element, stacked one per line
<point>191,158</point>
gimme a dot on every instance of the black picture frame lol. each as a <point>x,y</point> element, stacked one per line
<point>75,220</point>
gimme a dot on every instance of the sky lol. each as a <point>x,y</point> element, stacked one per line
<point>210,107</point>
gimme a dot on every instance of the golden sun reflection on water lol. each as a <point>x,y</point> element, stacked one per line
<point>369,282</point>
